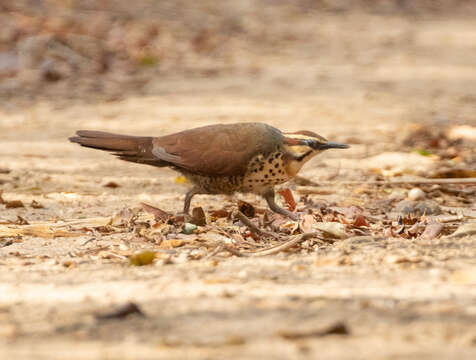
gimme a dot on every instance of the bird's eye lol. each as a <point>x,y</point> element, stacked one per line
<point>314,144</point>
<point>310,142</point>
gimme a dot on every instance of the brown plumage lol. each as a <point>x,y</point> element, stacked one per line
<point>244,157</point>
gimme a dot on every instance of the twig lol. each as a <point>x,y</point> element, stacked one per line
<point>273,249</point>
<point>215,251</point>
<point>449,218</point>
<point>392,182</point>
<point>88,241</point>
<point>253,228</point>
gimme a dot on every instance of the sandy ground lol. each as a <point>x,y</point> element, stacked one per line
<point>392,71</point>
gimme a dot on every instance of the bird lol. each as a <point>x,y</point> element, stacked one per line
<point>242,157</point>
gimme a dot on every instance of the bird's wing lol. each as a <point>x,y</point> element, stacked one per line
<point>217,149</point>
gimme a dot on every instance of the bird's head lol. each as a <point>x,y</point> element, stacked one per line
<point>301,146</point>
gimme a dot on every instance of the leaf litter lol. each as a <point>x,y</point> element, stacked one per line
<point>408,208</point>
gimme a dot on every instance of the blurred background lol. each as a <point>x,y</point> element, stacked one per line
<point>383,74</point>
<point>422,52</point>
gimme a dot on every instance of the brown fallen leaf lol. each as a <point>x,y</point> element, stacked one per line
<point>13,204</point>
<point>160,215</point>
<point>360,221</point>
<point>306,222</point>
<point>454,173</point>
<point>222,213</point>
<point>288,198</point>
<point>112,185</point>
<point>198,217</point>
<point>432,230</point>
<point>350,212</point>
<point>338,328</point>
<point>21,221</point>
<point>246,208</point>
<point>172,243</point>
<point>10,204</point>
<point>121,312</point>
<point>36,205</point>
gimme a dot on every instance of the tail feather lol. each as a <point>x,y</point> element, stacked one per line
<point>128,148</point>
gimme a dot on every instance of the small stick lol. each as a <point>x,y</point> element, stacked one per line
<point>215,251</point>
<point>253,228</point>
<point>393,182</point>
<point>88,241</point>
<point>273,249</point>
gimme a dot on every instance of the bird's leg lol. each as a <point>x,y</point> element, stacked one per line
<point>269,197</point>
<point>188,198</point>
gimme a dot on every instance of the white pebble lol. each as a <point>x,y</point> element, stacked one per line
<point>416,194</point>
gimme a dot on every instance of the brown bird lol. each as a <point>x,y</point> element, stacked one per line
<point>220,159</point>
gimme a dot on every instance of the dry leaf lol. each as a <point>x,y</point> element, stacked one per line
<point>160,215</point>
<point>121,312</point>
<point>36,205</point>
<point>198,217</point>
<point>10,204</point>
<point>171,244</point>
<point>222,213</point>
<point>246,208</point>
<point>432,230</point>
<point>333,229</point>
<point>21,221</point>
<point>112,185</point>
<point>288,198</point>
<point>360,221</point>
<point>13,204</point>
<point>454,173</point>
<point>306,222</point>
<point>338,328</point>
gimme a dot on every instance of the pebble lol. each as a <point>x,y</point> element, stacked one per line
<point>189,228</point>
<point>416,194</point>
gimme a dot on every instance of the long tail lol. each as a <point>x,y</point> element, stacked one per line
<point>128,148</point>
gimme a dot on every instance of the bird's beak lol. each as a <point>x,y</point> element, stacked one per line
<point>333,145</point>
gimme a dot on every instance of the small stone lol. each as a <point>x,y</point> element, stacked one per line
<point>189,228</point>
<point>416,194</point>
